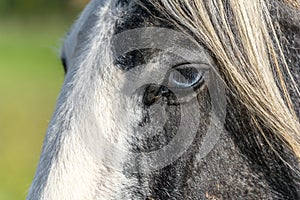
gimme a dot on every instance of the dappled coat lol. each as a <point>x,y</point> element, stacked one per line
<point>238,103</point>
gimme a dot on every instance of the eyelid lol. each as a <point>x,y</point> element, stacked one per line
<point>198,65</point>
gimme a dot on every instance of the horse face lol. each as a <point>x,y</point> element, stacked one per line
<point>141,115</point>
<point>143,84</point>
<point>134,99</point>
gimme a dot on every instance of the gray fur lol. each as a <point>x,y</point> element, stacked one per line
<point>91,110</point>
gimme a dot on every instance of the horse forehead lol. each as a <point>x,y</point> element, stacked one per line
<point>94,8</point>
<point>82,27</point>
<point>114,15</point>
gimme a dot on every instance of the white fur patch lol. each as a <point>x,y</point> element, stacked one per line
<point>87,113</point>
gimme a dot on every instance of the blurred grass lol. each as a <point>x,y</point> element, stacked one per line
<point>30,79</point>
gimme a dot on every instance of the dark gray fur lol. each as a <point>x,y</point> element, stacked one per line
<point>242,165</point>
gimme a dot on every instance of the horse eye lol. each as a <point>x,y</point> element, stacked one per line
<point>185,76</point>
<point>64,63</point>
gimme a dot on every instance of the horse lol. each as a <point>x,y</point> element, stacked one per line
<point>177,99</point>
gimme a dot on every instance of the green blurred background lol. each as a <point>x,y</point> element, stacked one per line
<point>31,32</point>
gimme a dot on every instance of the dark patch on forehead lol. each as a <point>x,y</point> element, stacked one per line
<point>139,14</point>
<point>135,58</point>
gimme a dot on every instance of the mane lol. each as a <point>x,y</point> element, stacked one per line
<point>244,40</point>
